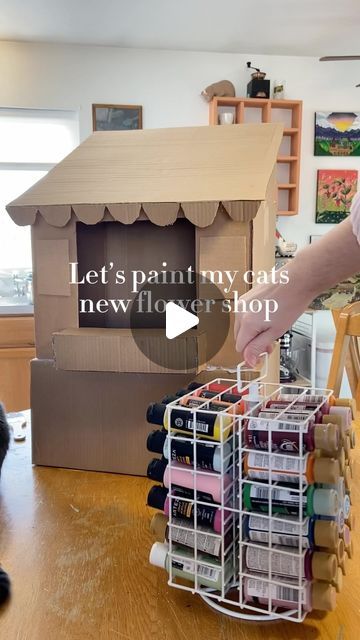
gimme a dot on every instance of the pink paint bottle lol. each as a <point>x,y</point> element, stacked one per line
<point>205,481</point>
<point>314,595</point>
<point>207,515</point>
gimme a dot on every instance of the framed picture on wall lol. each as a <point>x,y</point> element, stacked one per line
<point>335,191</point>
<point>337,133</point>
<point>116,117</point>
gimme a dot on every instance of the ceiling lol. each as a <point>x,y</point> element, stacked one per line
<point>285,27</point>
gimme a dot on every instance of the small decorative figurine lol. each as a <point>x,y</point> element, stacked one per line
<point>223,88</point>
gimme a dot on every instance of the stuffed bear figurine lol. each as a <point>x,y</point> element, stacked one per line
<point>224,88</point>
<point>4,444</point>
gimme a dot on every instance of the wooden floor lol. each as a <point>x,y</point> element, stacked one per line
<point>76,546</point>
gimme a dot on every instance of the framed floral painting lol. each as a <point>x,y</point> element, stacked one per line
<point>335,191</point>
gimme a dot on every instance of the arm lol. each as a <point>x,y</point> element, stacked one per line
<point>314,269</point>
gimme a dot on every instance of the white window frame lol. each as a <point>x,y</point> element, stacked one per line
<point>15,310</point>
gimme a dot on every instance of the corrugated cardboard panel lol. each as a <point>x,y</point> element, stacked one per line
<point>125,213</point>
<point>242,210</point>
<point>89,349</point>
<point>201,214</point>
<point>89,213</point>
<point>264,228</point>
<point>52,267</point>
<point>161,213</point>
<point>53,312</point>
<point>22,215</point>
<point>56,215</point>
<point>227,356</point>
<point>219,254</point>
<point>196,164</point>
<point>95,421</point>
<point>225,227</point>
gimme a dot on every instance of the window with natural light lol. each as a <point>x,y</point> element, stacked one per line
<point>32,142</point>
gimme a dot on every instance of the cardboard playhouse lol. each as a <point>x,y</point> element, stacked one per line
<point>204,196</point>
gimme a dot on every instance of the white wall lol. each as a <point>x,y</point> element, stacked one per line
<point>168,85</point>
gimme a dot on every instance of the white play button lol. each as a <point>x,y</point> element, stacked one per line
<point>178,320</point>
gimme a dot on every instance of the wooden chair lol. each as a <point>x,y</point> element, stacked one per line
<point>346,353</point>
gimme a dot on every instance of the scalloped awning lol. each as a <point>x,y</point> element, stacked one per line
<point>159,173</point>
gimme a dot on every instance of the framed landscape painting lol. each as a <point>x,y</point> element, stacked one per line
<point>337,133</point>
<point>116,117</point>
<point>335,191</point>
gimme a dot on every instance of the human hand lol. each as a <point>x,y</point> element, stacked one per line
<point>253,334</point>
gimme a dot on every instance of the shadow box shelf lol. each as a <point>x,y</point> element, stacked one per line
<point>287,112</point>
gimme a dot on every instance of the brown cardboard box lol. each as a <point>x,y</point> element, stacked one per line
<point>116,350</point>
<point>94,421</point>
<point>200,196</point>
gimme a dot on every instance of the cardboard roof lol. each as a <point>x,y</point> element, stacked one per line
<point>160,172</point>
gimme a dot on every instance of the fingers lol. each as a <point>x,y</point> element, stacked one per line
<point>258,345</point>
<point>247,329</point>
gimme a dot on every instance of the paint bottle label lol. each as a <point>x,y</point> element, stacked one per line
<point>283,468</point>
<point>192,403</point>
<point>182,509</point>
<point>205,543</point>
<point>265,590</point>
<point>283,500</point>
<point>203,571</point>
<point>184,452</point>
<point>289,397</point>
<point>284,532</point>
<point>184,420</point>
<point>284,436</point>
<point>283,565</point>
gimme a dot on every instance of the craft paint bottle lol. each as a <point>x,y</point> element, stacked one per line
<point>208,456</point>
<point>207,515</point>
<point>183,534</point>
<point>348,543</point>
<point>285,437</point>
<point>346,506</point>
<point>217,387</point>
<point>344,565</point>
<point>286,530</point>
<point>198,400</point>
<point>314,565</point>
<point>350,464</point>
<point>347,447</point>
<point>350,520</point>
<point>347,402</point>
<point>273,405</point>
<point>338,518</point>
<point>313,596</point>
<point>206,481</point>
<point>346,416</point>
<point>338,455</point>
<point>344,501</point>
<point>314,399</point>
<point>286,500</point>
<point>309,469</point>
<point>215,405</point>
<point>338,582</point>
<point>339,551</point>
<point>208,426</point>
<point>205,393</point>
<point>225,397</point>
<point>209,573</point>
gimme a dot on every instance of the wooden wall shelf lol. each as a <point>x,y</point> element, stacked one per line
<point>289,157</point>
